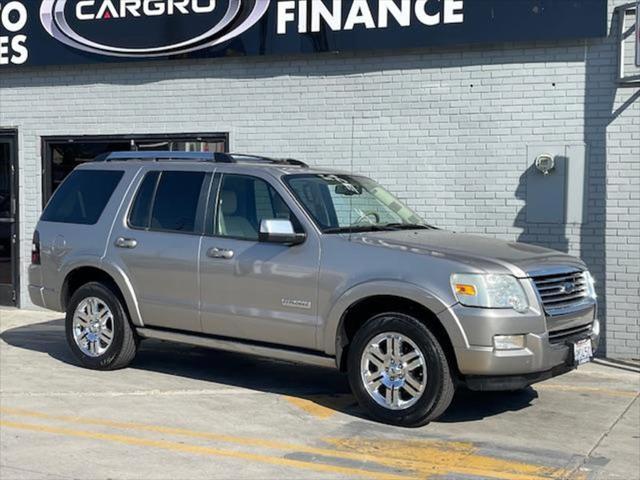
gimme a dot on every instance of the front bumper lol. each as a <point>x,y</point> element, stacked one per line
<point>513,382</point>
<point>545,354</point>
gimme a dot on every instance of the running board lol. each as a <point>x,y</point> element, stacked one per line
<point>239,347</point>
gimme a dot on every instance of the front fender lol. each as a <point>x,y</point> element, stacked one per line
<point>415,293</point>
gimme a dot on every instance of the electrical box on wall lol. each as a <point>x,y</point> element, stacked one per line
<point>555,184</point>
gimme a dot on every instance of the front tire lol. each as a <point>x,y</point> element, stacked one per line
<point>98,329</point>
<point>399,372</point>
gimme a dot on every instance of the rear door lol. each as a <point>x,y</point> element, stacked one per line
<point>158,244</point>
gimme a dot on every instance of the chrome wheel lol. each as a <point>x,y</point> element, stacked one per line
<point>393,371</point>
<point>93,326</point>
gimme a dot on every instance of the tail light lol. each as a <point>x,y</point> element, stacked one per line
<point>35,249</point>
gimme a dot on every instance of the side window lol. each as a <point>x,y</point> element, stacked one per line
<point>176,201</point>
<point>264,206</point>
<point>314,193</point>
<point>82,197</point>
<point>244,202</point>
<point>140,214</point>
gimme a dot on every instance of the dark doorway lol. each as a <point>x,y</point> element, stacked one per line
<point>8,219</point>
<point>62,154</point>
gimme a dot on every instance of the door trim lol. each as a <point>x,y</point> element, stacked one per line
<point>11,135</point>
<point>247,347</point>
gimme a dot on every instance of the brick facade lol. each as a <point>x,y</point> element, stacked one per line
<point>447,131</point>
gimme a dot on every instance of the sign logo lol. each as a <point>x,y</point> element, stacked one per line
<point>148,28</point>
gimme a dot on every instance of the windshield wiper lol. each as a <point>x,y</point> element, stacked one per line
<point>409,226</point>
<point>387,227</point>
<point>358,229</point>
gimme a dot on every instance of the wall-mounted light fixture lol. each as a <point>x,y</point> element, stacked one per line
<point>545,163</point>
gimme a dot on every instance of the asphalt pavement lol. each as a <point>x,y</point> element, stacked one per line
<point>180,412</point>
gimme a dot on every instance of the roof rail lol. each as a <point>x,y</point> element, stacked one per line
<point>240,157</point>
<point>167,155</point>
<point>215,157</point>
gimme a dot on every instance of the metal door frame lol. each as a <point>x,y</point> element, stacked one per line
<point>46,141</point>
<point>10,136</point>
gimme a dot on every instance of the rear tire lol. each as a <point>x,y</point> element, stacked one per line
<point>418,371</point>
<point>98,330</point>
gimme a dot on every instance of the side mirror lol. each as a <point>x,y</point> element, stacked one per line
<point>280,231</point>
<point>348,189</point>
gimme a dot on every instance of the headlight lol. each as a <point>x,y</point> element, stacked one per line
<point>591,284</point>
<point>489,291</point>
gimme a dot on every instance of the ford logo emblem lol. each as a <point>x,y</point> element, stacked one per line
<point>568,287</point>
<point>148,28</point>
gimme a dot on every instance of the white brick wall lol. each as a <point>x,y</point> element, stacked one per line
<point>447,130</point>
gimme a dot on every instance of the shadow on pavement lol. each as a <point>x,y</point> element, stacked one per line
<point>627,366</point>
<point>322,386</point>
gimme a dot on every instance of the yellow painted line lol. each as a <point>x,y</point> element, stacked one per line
<point>595,390</point>
<point>310,407</point>
<point>201,450</point>
<point>424,458</point>
<point>141,427</point>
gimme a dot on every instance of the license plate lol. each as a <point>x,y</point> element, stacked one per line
<point>582,351</point>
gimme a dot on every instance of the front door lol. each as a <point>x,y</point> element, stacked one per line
<point>8,220</point>
<point>254,290</point>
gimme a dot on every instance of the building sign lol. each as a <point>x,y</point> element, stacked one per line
<point>41,32</point>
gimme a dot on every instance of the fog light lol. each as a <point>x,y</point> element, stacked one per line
<point>595,335</point>
<point>508,342</point>
<point>595,328</point>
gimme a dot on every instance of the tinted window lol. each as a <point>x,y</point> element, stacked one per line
<point>176,202</point>
<point>244,202</point>
<point>141,210</point>
<point>82,197</point>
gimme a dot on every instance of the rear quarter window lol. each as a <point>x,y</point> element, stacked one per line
<point>82,197</point>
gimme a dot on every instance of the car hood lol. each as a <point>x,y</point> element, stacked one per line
<point>473,250</point>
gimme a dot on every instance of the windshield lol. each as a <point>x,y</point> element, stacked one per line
<point>345,203</point>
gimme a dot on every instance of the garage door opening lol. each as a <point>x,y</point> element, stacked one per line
<point>62,154</point>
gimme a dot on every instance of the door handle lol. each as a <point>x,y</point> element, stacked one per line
<point>220,253</point>
<point>122,242</point>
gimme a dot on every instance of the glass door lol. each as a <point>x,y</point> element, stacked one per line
<point>8,220</point>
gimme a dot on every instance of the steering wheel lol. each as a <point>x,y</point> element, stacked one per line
<point>366,215</point>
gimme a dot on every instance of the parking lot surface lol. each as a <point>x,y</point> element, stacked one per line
<point>181,412</point>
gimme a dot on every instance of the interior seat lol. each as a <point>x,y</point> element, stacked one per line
<point>231,223</point>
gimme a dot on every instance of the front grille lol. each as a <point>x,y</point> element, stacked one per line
<point>560,336</point>
<point>561,291</point>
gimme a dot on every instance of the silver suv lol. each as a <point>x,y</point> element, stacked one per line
<point>273,258</point>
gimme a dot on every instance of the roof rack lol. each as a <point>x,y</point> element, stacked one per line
<point>240,157</point>
<point>156,156</point>
<point>215,157</point>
